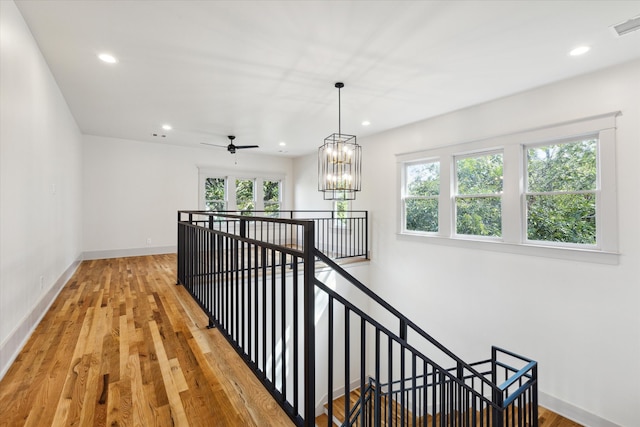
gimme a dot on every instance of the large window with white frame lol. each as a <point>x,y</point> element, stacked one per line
<point>561,191</point>
<point>240,191</point>
<point>478,198</point>
<point>215,194</point>
<point>245,195</point>
<point>272,196</point>
<point>549,192</point>
<point>420,194</point>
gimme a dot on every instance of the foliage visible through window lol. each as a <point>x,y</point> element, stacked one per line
<point>421,196</point>
<point>271,191</point>
<point>561,192</point>
<point>341,211</point>
<point>214,189</point>
<point>245,199</point>
<point>479,195</point>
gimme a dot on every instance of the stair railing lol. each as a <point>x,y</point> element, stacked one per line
<point>339,235</point>
<point>255,277</point>
<point>406,387</point>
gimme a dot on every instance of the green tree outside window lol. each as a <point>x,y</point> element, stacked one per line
<point>271,192</point>
<point>421,199</point>
<point>561,192</point>
<point>214,190</point>
<point>245,200</point>
<point>478,199</point>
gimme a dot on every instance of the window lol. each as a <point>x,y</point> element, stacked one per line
<point>561,192</point>
<point>341,210</point>
<point>479,195</point>
<point>215,194</point>
<point>245,196</point>
<point>248,191</point>
<point>550,191</point>
<point>421,193</point>
<point>271,197</point>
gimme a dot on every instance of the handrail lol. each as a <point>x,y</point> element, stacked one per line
<point>378,325</point>
<point>340,237</point>
<point>287,250</point>
<point>403,319</point>
<point>517,376</point>
<point>517,393</point>
<point>255,278</point>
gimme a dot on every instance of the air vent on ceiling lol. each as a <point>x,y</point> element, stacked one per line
<point>626,27</point>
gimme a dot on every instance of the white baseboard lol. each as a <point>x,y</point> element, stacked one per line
<point>10,348</point>
<point>572,412</point>
<point>123,253</point>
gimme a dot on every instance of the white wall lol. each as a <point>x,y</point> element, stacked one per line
<point>40,176</point>
<point>581,321</point>
<point>132,191</point>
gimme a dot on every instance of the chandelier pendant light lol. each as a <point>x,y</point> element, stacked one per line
<point>339,163</point>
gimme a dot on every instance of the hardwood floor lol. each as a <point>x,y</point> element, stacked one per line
<point>123,346</point>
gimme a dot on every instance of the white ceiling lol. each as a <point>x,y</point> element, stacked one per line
<point>265,70</point>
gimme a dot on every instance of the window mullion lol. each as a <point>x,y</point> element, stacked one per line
<point>446,201</point>
<point>258,194</point>
<point>231,193</point>
<point>512,187</point>
<point>606,197</point>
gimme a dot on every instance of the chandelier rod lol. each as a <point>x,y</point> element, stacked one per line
<point>339,85</point>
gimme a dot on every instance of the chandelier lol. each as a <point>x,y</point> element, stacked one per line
<point>339,163</point>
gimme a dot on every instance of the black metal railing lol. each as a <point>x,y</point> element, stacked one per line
<point>337,234</point>
<point>255,277</point>
<point>407,384</point>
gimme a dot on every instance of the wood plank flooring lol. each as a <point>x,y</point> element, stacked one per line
<point>123,346</point>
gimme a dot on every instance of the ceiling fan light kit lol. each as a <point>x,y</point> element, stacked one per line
<point>232,147</point>
<point>339,163</point>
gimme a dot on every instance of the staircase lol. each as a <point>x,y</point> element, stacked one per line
<point>306,336</point>
<point>399,417</point>
<point>404,417</point>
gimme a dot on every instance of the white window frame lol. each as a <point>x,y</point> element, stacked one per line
<point>279,181</point>
<point>404,196</point>
<point>225,200</point>
<point>205,172</point>
<point>456,194</point>
<point>596,193</point>
<point>513,147</point>
<point>337,222</point>
<point>254,183</point>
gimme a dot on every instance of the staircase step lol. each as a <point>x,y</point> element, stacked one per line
<point>338,406</point>
<point>482,418</point>
<point>323,421</point>
<point>354,396</point>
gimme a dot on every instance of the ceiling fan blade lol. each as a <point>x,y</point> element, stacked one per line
<point>246,146</point>
<point>213,145</point>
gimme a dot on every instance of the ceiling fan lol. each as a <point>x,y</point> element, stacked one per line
<point>231,147</point>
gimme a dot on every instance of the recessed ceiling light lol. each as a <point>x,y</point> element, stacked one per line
<point>366,123</point>
<point>282,144</point>
<point>166,127</point>
<point>109,59</point>
<point>580,50</point>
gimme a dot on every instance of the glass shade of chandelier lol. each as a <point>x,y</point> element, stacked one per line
<point>339,163</point>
